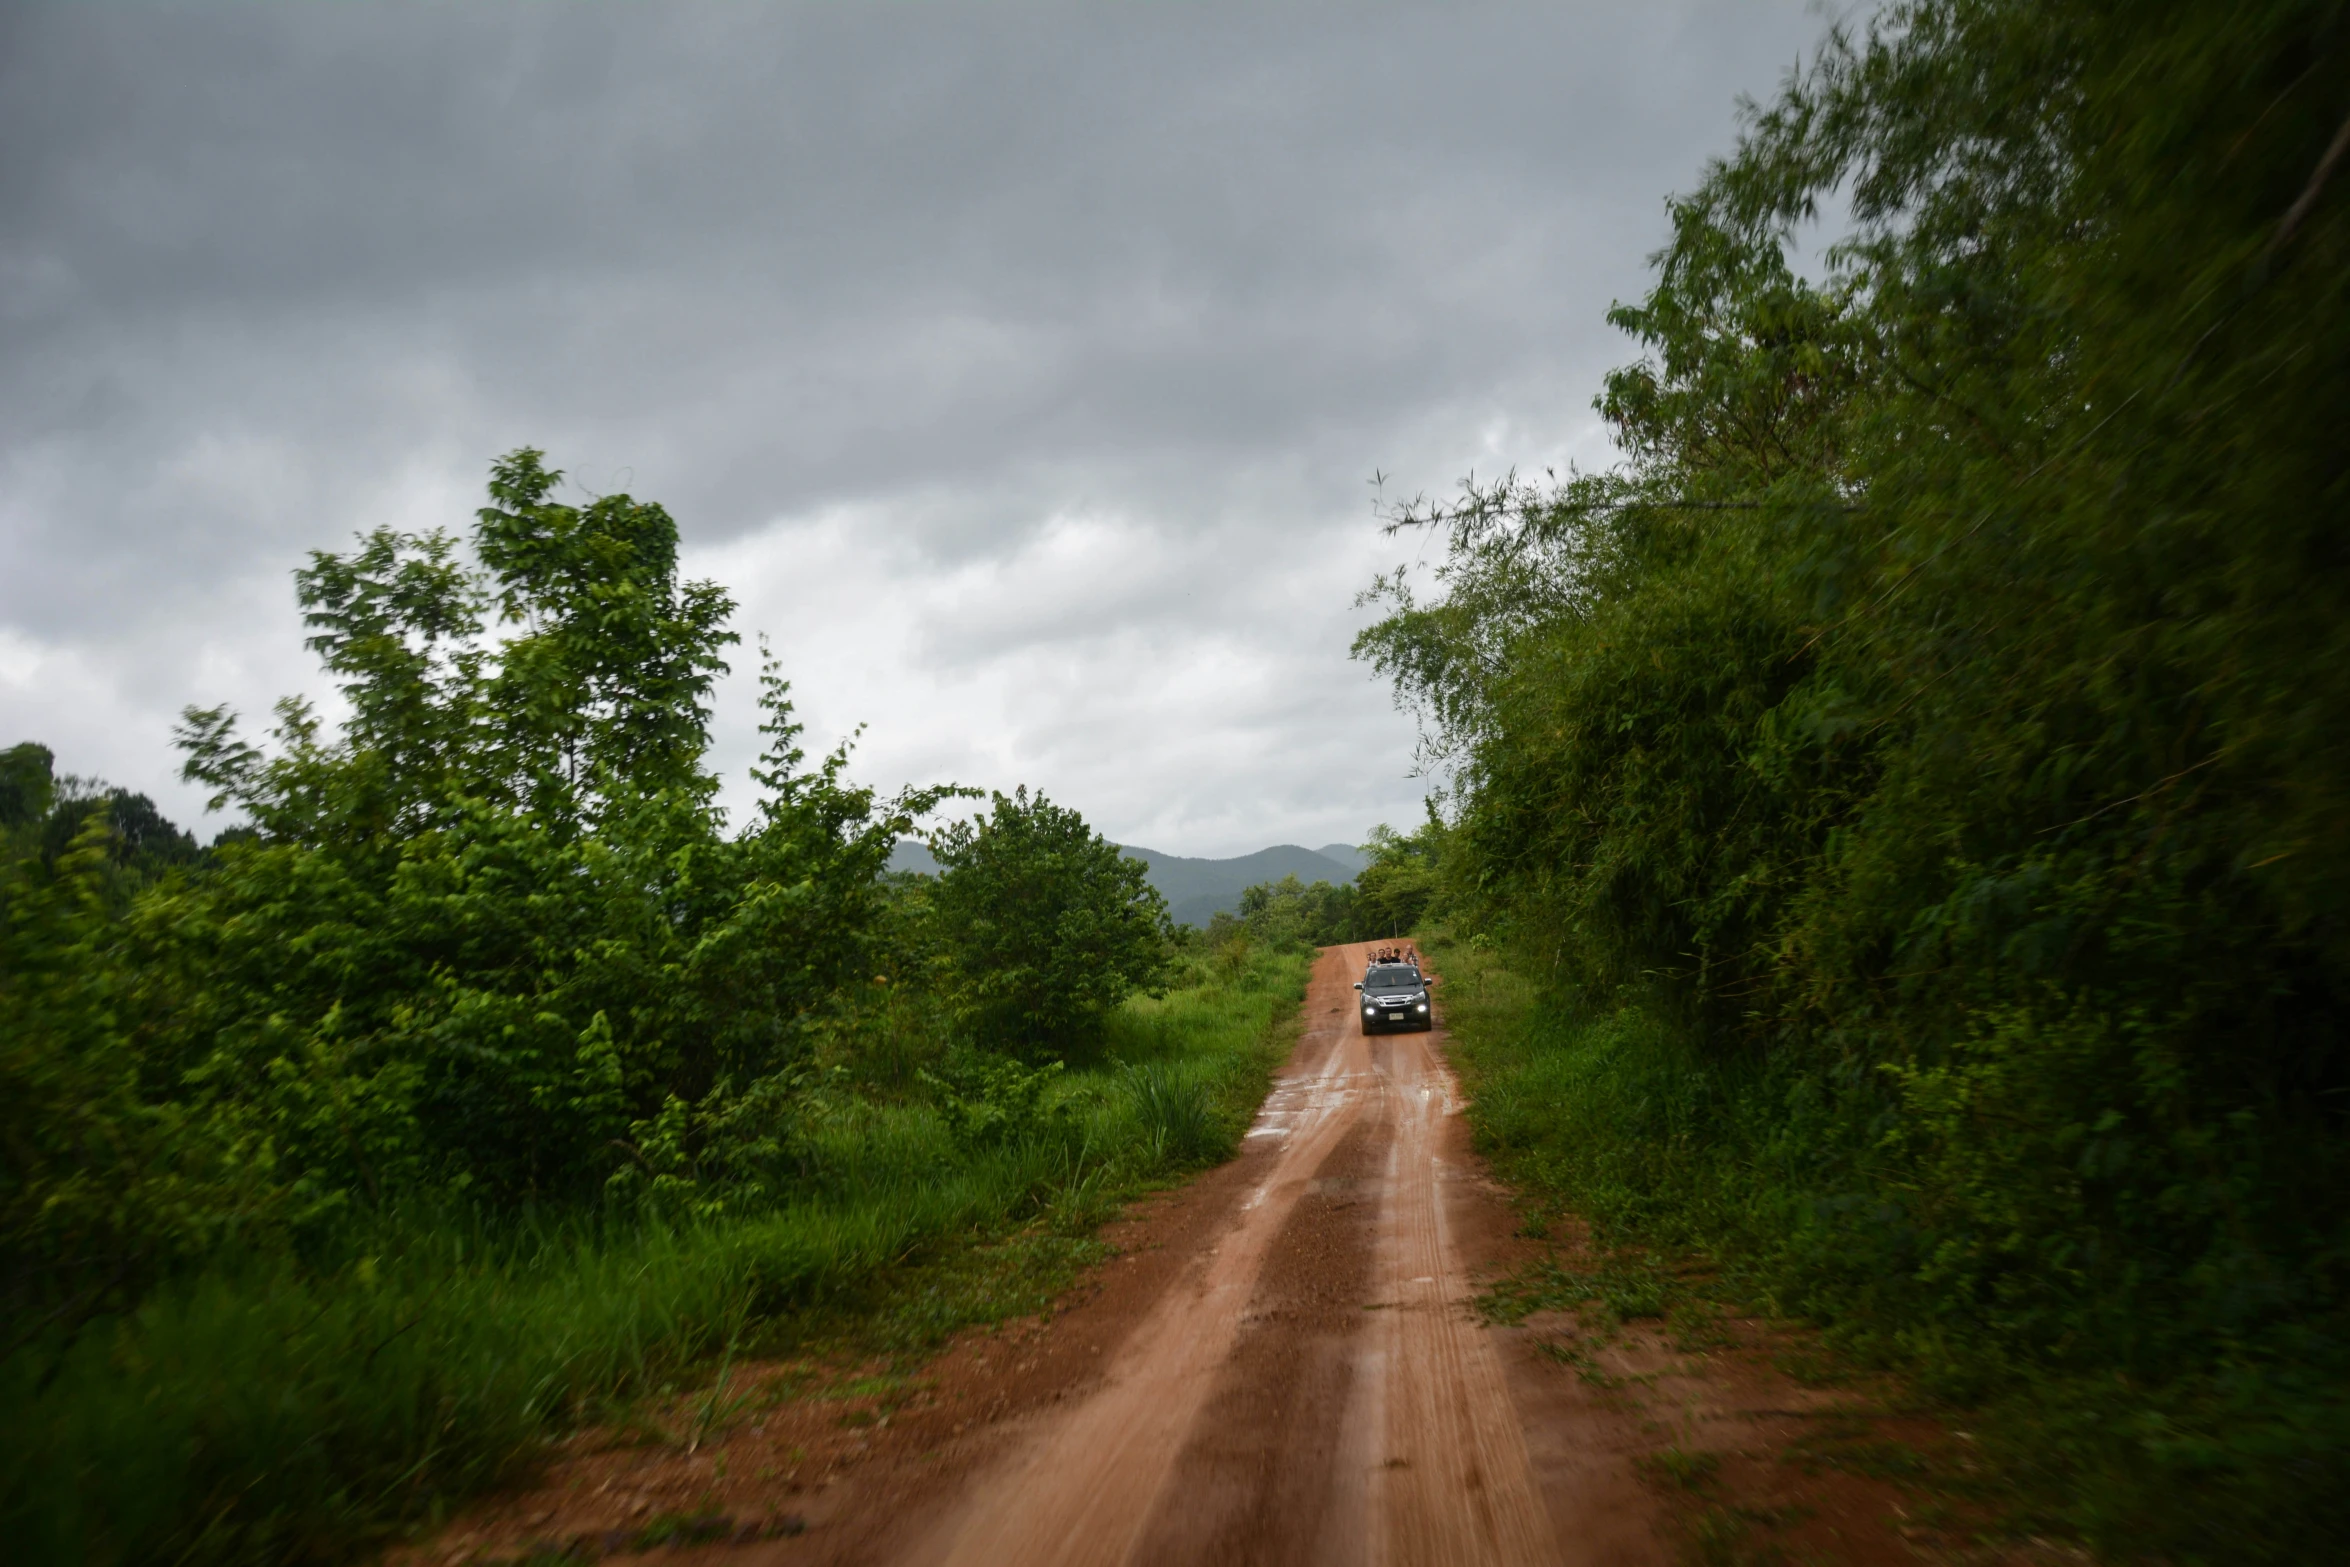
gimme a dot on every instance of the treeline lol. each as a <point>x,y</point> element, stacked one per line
<point>1922,766</point>
<point>1388,897</point>
<point>487,997</point>
<point>43,812</point>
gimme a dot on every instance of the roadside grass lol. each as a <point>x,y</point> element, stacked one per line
<point>1707,1184</point>
<point>1607,1120</point>
<point>277,1410</point>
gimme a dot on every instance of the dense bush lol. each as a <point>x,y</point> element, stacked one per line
<point>1045,926</point>
<point>1938,719</point>
<point>487,1073</point>
<point>107,1176</point>
<point>491,940</point>
<point>41,812</point>
<point>1397,885</point>
<point>271,1408</point>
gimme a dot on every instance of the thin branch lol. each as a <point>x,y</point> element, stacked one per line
<point>1585,508</point>
<point>2142,795</point>
<point>2311,191</point>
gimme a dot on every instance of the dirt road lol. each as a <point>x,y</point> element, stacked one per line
<point>1315,1388</point>
<point>1280,1365</point>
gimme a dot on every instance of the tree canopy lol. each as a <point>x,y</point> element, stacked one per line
<point>489,937</point>
<point>1048,926</point>
<point>1941,707</point>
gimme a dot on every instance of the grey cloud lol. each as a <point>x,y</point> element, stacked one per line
<point>270,273</point>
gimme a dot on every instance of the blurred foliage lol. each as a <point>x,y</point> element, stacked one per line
<point>1937,723</point>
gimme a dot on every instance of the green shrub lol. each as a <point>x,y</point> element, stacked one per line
<point>1175,1115</point>
<point>989,1102</point>
<point>2137,1442</point>
<point>1045,926</point>
<point>269,1408</point>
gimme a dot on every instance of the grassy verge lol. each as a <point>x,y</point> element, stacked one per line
<point>1705,1181</point>
<point>277,1410</point>
<point>1606,1123</point>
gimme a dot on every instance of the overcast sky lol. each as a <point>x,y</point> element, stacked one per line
<point>1021,369</point>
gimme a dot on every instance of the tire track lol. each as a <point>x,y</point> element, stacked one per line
<point>1251,1416</point>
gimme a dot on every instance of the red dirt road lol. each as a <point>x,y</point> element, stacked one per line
<point>1314,1388</point>
<point>1281,1365</point>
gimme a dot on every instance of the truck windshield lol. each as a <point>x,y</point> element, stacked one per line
<point>1392,979</point>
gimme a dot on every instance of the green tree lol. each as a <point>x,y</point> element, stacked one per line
<point>1941,710</point>
<point>1398,887</point>
<point>492,933</point>
<point>1048,926</point>
<point>107,1176</point>
<point>1289,911</point>
<point>27,784</point>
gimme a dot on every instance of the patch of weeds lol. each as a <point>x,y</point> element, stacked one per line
<point>705,1527</point>
<point>1939,1515</point>
<point>1084,1206</point>
<point>1690,1471</point>
<point>1633,1295</point>
<point>1811,1365</point>
<point>1873,1457</point>
<point>1177,1115</point>
<point>1546,1285</point>
<point>1723,1537</point>
<point>1018,1276</point>
<point>717,1407</point>
<point>550,1553</point>
<point>1720,1536</point>
<point>1694,1326</point>
<point>1585,1364</point>
<point>633,1424</point>
<point>1628,1289</point>
<point>684,1529</point>
<point>890,1389</point>
<point>1577,1358</point>
<point>788,1384</point>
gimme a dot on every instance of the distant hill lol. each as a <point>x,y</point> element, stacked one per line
<point>1198,890</point>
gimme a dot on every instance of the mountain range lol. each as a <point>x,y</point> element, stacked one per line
<point>1198,890</point>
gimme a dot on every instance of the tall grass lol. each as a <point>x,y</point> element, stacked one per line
<point>276,1409</point>
<point>1608,1113</point>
